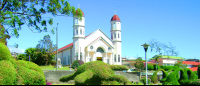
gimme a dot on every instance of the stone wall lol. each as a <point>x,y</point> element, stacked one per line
<point>54,76</point>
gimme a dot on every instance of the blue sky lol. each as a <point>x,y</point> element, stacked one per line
<point>175,21</point>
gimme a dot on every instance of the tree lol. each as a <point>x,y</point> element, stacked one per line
<point>31,52</point>
<point>46,45</point>
<point>15,13</point>
<point>139,64</point>
<point>157,47</point>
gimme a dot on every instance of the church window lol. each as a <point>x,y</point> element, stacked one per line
<point>114,26</point>
<point>118,58</point>
<point>115,58</point>
<point>76,21</point>
<point>91,47</point>
<point>76,31</point>
<point>81,56</point>
<point>81,31</point>
<point>118,35</point>
<point>114,35</point>
<point>100,50</point>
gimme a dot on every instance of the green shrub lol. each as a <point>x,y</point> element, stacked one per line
<point>154,78</point>
<point>190,73</point>
<point>150,67</point>
<point>198,72</point>
<point>7,73</point>
<point>194,82</point>
<point>100,73</point>
<point>53,62</point>
<point>168,67</point>
<point>143,80</point>
<point>4,52</point>
<point>172,77</point>
<point>156,67</point>
<point>118,67</point>
<point>22,57</point>
<point>77,63</point>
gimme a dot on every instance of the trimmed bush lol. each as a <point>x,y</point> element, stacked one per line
<point>96,73</point>
<point>4,52</point>
<point>156,66</point>
<point>150,67</point>
<point>77,63</point>
<point>7,73</point>
<point>53,62</point>
<point>154,78</point>
<point>143,80</point>
<point>166,68</point>
<point>190,73</point>
<point>118,67</point>
<point>194,82</point>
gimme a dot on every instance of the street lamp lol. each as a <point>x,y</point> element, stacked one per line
<point>145,49</point>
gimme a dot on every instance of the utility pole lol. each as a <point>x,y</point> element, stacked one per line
<point>57,48</point>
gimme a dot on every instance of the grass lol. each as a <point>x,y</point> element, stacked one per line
<point>50,67</point>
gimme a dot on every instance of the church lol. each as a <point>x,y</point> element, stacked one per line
<point>95,46</point>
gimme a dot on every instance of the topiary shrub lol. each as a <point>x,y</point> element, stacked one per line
<point>156,67</point>
<point>189,72</point>
<point>96,73</point>
<point>77,63</point>
<point>7,73</point>
<point>143,80</point>
<point>194,82</point>
<point>118,67</point>
<point>166,68</point>
<point>4,52</point>
<point>150,67</point>
<point>172,78</point>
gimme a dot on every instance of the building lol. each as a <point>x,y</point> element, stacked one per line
<point>195,60</point>
<point>14,51</point>
<point>167,60</point>
<point>95,46</point>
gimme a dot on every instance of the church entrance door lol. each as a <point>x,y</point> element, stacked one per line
<point>99,58</point>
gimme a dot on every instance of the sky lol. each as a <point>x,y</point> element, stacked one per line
<point>175,21</point>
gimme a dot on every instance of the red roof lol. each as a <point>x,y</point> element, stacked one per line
<point>81,11</point>
<point>115,18</point>
<point>193,68</point>
<point>69,45</point>
<point>190,63</point>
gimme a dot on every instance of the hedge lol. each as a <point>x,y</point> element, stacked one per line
<point>77,63</point>
<point>143,80</point>
<point>100,73</point>
<point>7,73</point>
<point>172,78</point>
<point>156,66</point>
<point>150,67</point>
<point>154,78</point>
<point>118,67</point>
<point>191,74</point>
<point>168,67</point>
<point>4,52</point>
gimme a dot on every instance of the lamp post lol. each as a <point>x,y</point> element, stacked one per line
<point>145,49</point>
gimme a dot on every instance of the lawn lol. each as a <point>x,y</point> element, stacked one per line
<point>50,67</point>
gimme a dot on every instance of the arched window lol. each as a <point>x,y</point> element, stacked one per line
<point>81,31</point>
<point>118,58</point>
<point>114,26</point>
<point>76,20</point>
<point>114,35</point>
<point>100,50</point>
<point>76,31</point>
<point>115,58</point>
<point>118,35</point>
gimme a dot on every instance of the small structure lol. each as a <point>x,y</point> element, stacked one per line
<point>59,63</point>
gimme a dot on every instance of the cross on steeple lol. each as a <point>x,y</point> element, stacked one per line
<point>78,5</point>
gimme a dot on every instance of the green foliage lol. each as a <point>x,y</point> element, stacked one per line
<point>7,73</point>
<point>118,67</point>
<point>53,62</point>
<point>150,67</point>
<point>100,73</point>
<point>190,73</point>
<point>156,67</point>
<point>154,78</point>
<point>22,57</point>
<point>4,52</point>
<point>77,63</point>
<point>198,72</point>
<point>15,13</point>
<point>143,80</point>
<point>168,67</point>
<point>194,82</point>
<point>139,65</point>
<point>180,65</point>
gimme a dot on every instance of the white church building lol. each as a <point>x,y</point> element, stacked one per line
<point>95,46</point>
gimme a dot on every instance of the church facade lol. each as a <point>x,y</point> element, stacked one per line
<point>95,46</point>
